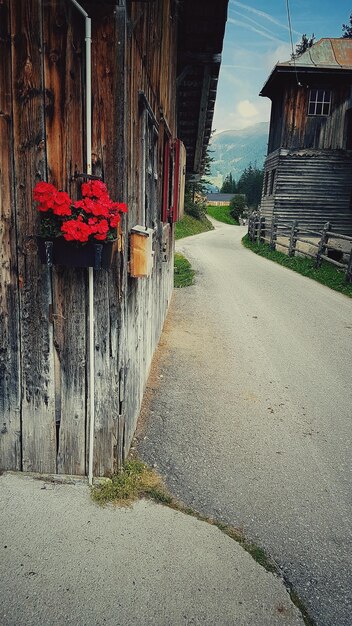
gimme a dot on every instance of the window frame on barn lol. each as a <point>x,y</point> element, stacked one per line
<point>319,103</point>
<point>149,177</point>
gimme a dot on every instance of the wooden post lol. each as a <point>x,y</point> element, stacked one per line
<point>273,233</point>
<point>322,244</point>
<point>261,227</point>
<point>293,239</point>
<point>349,269</point>
<point>250,227</point>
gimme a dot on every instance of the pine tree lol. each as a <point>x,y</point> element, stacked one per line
<point>250,184</point>
<point>229,184</point>
<point>303,45</point>
<point>347,28</point>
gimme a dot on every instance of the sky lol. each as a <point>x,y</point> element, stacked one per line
<point>257,37</point>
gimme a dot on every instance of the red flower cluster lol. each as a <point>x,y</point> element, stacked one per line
<point>96,215</point>
<point>49,197</point>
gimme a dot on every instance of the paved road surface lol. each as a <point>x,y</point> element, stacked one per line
<point>66,561</point>
<point>250,413</point>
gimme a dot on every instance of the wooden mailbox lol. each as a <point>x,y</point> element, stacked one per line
<point>141,251</point>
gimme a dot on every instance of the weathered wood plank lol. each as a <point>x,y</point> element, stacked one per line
<point>107,148</point>
<point>63,29</point>
<point>10,387</point>
<point>38,405</point>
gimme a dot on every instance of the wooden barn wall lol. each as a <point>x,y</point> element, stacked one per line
<point>43,313</point>
<point>292,128</point>
<point>10,355</point>
<point>312,187</point>
<point>150,68</point>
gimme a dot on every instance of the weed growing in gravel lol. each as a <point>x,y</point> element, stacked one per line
<point>135,481</point>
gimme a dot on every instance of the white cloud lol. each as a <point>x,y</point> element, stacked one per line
<point>259,31</point>
<point>279,55</point>
<point>266,16</point>
<point>244,113</point>
<point>247,109</point>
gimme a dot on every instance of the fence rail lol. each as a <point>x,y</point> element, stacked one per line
<point>262,232</point>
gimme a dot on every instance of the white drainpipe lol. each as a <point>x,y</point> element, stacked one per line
<point>88,39</point>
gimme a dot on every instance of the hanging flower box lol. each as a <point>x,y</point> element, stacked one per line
<point>81,233</point>
<point>70,254</point>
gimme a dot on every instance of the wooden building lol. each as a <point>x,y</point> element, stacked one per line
<point>154,66</point>
<point>219,199</point>
<point>308,169</point>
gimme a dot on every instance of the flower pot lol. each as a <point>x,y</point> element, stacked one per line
<point>58,251</point>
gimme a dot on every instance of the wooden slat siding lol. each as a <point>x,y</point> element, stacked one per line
<point>312,187</point>
<point>64,39</point>
<point>107,146</point>
<point>291,126</point>
<point>10,385</point>
<point>151,69</point>
<point>38,405</point>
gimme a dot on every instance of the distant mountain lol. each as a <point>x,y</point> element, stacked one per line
<point>234,150</point>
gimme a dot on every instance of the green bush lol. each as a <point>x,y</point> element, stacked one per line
<point>237,206</point>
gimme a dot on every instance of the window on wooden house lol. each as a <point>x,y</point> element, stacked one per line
<point>149,165</point>
<point>266,183</point>
<point>319,102</point>
<point>272,182</point>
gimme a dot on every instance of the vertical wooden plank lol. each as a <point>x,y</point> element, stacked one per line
<point>10,388</point>
<point>64,46</point>
<point>38,405</point>
<point>107,147</point>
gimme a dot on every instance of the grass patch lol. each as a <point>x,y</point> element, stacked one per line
<point>191,226</point>
<point>135,481</point>
<point>327,274</point>
<point>183,273</point>
<point>222,214</point>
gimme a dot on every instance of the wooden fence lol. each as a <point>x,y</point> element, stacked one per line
<point>262,232</point>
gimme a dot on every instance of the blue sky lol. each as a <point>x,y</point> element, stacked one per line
<point>257,37</point>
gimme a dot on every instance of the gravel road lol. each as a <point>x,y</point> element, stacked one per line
<point>248,415</point>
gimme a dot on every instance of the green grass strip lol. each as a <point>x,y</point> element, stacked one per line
<point>327,274</point>
<point>183,273</point>
<point>191,226</point>
<point>222,214</point>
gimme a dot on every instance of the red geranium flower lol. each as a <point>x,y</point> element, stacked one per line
<point>62,203</point>
<point>95,216</point>
<point>75,230</point>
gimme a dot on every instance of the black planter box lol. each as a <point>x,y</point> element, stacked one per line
<point>58,251</point>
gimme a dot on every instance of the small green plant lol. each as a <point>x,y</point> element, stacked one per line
<point>222,214</point>
<point>327,274</point>
<point>183,273</point>
<point>136,480</point>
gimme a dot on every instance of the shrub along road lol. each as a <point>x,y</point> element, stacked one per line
<point>248,416</point>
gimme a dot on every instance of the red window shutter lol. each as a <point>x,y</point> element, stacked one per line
<point>166,183</point>
<point>179,180</point>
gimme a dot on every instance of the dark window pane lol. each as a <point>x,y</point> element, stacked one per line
<point>311,110</point>
<point>320,95</point>
<point>313,95</point>
<point>326,107</point>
